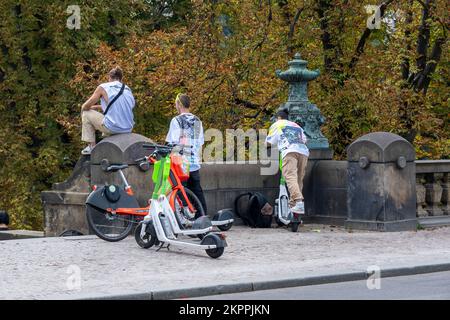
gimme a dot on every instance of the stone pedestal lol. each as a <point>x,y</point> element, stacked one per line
<point>381,192</point>
<point>123,149</point>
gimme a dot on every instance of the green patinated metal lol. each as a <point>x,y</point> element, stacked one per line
<point>301,110</point>
<point>161,172</point>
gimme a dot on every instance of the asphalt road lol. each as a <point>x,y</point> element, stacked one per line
<point>430,286</point>
<point>74,267</point>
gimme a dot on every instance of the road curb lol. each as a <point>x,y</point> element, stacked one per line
<point>308,281</point>
<point>409,271</point>
<point>272,284</point>
<point>200,291</point>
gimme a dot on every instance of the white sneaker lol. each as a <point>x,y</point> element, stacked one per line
<point>299,208</point>
<point>87,150</point>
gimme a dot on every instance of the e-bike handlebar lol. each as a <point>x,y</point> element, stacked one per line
<point>141,159</point>
<point>166,149</point>
<point>160,150</point>
<point>169,146</point>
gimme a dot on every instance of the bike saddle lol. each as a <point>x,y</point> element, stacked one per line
<point>116,167</point>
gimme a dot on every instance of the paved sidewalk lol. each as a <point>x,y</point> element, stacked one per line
<point>255,259</point>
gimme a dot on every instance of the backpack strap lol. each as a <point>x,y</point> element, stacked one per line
<point>253,210</point>
<point>180,123</point>
<point>114,99</point>
<point>241,215</point>
<point>181,119</point>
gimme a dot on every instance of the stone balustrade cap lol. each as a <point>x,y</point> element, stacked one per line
<point>381,147</point>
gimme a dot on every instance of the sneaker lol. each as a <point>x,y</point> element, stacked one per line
<point>299,207</point>
<point>87,150</point>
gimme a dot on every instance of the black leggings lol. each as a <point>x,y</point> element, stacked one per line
<point>193,184</point>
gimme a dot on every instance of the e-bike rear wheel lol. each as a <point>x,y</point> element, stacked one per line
<point>108,226</point>
<point>180,203</point>
<point>178,210</point>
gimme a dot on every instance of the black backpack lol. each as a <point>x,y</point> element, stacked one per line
<point>258,212</point>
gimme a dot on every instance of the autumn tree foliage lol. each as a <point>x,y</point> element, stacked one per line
<point>224,55</point>
<point>37,62</point>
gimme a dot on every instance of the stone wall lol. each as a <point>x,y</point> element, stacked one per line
<point>222,183</point>
<point>325,188</point>
<point>325,191</point>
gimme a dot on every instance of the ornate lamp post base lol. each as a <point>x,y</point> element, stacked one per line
<point>301,110</point>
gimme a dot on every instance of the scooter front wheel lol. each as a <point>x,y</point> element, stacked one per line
<point>212,239</point>
<point>107,226</point>
<point>279,222</point>
<point>145,242</point>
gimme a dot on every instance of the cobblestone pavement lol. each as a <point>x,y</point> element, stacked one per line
<point>47,268</point>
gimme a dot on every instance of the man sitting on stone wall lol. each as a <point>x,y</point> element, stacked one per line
<point>116,103</point>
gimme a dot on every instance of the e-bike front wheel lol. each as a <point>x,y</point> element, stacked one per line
<point>108,226</point>
<point>148,240</point>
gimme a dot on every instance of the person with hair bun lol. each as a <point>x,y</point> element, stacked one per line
<point>116,106</point>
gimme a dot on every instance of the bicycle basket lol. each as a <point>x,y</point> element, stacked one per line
<point>180,166</point>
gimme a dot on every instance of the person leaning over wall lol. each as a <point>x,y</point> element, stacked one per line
<point>291,141</point>
<point>116,104</point>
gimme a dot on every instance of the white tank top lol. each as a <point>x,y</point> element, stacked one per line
<point>120,115</point>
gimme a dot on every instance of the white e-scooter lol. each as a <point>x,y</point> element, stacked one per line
<point>160,226</point>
